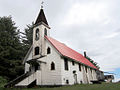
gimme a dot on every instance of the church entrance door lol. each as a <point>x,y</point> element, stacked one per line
<point>75,77</point>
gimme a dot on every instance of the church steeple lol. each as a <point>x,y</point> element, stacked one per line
<point>40,30</point>
<point>41,18</point>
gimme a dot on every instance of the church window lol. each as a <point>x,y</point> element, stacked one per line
<point>66,63</point>
<point>48,50</point>
<point>36,50</point>
<point>79,67</point>
<point>37,34</point>
<point>86,69</point>
<point>45,31</point>
<point>52,66</point>
<point>73,63</point>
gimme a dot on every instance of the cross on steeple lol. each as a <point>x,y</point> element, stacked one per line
<point>42,4</point>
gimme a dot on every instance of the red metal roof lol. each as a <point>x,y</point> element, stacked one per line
<point>68,52</point>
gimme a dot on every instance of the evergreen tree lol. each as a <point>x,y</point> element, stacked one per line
<point>27,37</point>
<point>11,49</point>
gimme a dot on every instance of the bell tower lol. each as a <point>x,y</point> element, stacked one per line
<point>40,30</point>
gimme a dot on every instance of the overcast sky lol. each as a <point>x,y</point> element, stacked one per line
<point>84,25</point>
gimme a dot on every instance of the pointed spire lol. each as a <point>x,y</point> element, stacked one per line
<point>41,17</point>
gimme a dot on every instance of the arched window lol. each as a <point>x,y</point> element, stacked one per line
<point>37,34</point>
<point>36,50</point>
<point>45,31</point>
<point>48,50</point>
<point>52,66</point>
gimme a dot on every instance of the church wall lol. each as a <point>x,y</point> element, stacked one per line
<point>89,75</point>
<point>85,76</point>
<point>48,76</point>
<point>68,75</point>
<point>82,76</point>
<point>94,75</point>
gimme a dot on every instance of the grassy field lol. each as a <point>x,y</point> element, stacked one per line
<point>76,87</point>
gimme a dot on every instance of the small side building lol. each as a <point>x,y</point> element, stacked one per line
<point>109,78</point>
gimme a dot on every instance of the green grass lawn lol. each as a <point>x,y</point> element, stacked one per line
<point>76,87</point>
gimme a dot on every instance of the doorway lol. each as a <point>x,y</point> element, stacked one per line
<point>75,77</point>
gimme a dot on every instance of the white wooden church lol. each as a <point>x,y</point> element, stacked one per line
<point>52,63</point>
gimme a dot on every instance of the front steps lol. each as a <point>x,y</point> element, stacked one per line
<point>23,80</point>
